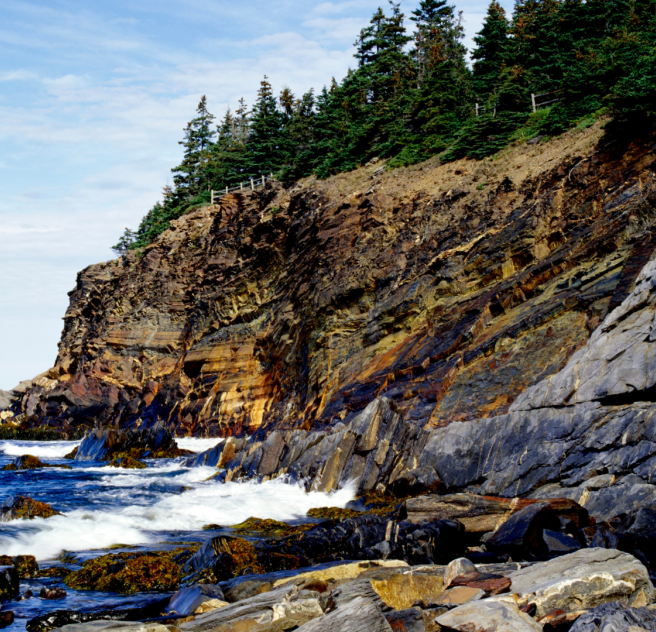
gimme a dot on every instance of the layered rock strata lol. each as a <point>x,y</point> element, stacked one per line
<point>449,289</point>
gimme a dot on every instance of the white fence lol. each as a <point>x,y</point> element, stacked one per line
<point>252,184</point>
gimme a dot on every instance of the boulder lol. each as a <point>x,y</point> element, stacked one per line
<point>521,535</point>
<point>210,606</point>
<point>401,588</point>
<point>188,600</point>
<point>360,615</point>
<point>616,616</point>
<point>9,585</point>
<point>25,508</point>
<point>489,615</point>
<point>7,398</point>
<point>421,480</point>
<point>584,579</point>
<point>127,463</point>
<point>409,620</point>
<point>634,532</point>
<point>458,596</point>
<point>111,626</point>
<point>107,444</point>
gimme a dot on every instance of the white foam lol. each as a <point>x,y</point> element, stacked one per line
<point>45,449</point>
<point>197,445</point>
<point>209,503</point>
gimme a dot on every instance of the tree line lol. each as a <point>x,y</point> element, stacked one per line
<point>413,95</point>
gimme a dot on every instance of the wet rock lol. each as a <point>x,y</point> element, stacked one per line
<point>9,587</point>
<point>127,463</point>
<point>98,625</point>
<point>458,567</point>
<point>52,593</point>
<point>69,619</point>
<point>267,528</point>
<point>521,535</point>
<point>401,588</point>
<point>359,615</point>
<point>488,616</point>
<point>25,508</point>
<point>188,600</point>
<point>26,565</point>
<point>285,609</point>
<point>126,573</point>
<point>55,571</point>
<point>616,616</point>
<point>584,579</point>
<point>6,618</point>
<point>110,444</point>
<point>29,462</point>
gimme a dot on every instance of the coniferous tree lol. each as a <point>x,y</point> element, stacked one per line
<point>491,50</point>
<point>191,176</point>
<point>264,144</point>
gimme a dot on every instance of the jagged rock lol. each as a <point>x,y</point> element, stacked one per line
<point>402,588</point>
<point>488,616</point>
<point>6,399</point>
<point>111,626</point>
<point>584,579</point>
<point>9,587</point>
<point>359,615</point>
<point>110,444</point>
<point>410,620</point>
<point>421,480</point>
<point>284,609</point>
<point>616,616</point>
<point>559,543</point>
<point>24,508</point>
<point>458,595</point>
<point>457,567</point>
<point>187,600</point>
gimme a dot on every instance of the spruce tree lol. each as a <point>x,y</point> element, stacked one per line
<point>265,139</point>
<point>491,50</point>
<point>191,176</point>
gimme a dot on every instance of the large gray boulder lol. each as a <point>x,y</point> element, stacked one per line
<point>6,400</point>
<point>585,579</point>
<point>359,615</point>
<point>489,615</point>
<point>616,616</point>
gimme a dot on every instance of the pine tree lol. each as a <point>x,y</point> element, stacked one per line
<point>265,139</point>
<point>191,176</point>
<point>491,50</point>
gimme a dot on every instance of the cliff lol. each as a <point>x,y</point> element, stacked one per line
<point>450,290</point>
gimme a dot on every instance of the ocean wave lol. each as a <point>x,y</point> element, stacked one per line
<point>41,449</point>
<point>197,445</point>
<point>207,503</point>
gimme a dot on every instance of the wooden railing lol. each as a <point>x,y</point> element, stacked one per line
<point>251,183</point>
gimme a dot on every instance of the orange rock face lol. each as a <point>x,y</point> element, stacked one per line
<point>447,288</point>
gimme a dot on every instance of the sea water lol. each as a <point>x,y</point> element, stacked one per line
<point>103,507</point>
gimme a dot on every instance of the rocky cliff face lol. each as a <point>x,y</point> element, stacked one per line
<point>452,290</point>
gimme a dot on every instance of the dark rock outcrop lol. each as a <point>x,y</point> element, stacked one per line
<point>24,508</point>
<point>616,616</point>
<point>29,462</point>
<point>9,586</point>
<point>26,565</point>
<point>109,444</point>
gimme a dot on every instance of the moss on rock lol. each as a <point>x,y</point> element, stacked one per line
<point>127,463</point>
<point>25,508</point>
<point>268,527</point>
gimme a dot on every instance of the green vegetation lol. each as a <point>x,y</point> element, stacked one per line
<point>412,97</point>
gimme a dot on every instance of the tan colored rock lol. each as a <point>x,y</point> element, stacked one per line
<point>342,571</point>
<point>210,605</point>
<point>459,595</point>
<point>402,590</point>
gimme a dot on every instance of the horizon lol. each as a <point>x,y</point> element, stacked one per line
<point>94,103</point>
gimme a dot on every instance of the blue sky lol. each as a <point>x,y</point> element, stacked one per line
<point>93,99</point>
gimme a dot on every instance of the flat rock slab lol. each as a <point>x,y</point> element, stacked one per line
<point>585,579</point>
<point>108,626</point>
<point>359,615</point>
<point>489,615</point>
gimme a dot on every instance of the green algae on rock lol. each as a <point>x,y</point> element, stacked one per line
<point>127,463</point>
<point>268,527</point>
<point>25,508</point>
<point>29,462</point>
<point>26,565</point>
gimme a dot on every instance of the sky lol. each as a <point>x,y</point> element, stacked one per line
<point>93,100</point>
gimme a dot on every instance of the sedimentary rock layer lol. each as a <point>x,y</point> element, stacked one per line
<point>448,289</point>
